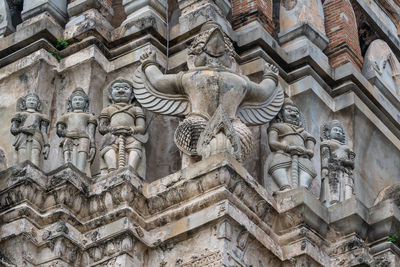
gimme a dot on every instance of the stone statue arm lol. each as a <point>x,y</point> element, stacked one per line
<point>104,125</point>
<point>163,83</point>
<point>44,127</point>
<point>262,101</point>
<point>15,126</point>
<point>140,126</point>
<point>92,131</point>
<point>350,161</point>
<point>265,90</point>
<point>309,151</point>
<point>61,127</point>
<point>325,152</point>
<point>274,143</point>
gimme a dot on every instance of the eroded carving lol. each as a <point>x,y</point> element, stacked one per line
<point>337,164</point>
<point>30,127</point>
<point>212,83</point>
<point>123,125</point>
<point>292,148</point>
<point>77,129</point>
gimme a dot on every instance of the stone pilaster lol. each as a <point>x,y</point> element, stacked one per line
<point>57,9</point>
<point>89,16</point>
<point>142,15</point>
<point>196,12</point>
<point>6,26</point>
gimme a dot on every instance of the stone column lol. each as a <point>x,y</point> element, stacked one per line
<point>143,14</point>
<point>57,9</point>
<point>89,15</point>
<point>302,21</point>
<point>6,26</point>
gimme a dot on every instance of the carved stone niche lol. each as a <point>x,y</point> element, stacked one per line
<point>382,69</point>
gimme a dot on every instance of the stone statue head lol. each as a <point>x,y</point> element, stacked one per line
<point>78,100</point>
<point>290,113</point>
<point>121,91</point>
<point>30,101</point>
<point>333,130</point>
<point>211,48</point>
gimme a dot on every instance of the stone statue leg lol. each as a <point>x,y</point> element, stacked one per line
<point>187,160</point>
<point>281,179</point>
<point>305,179</point>
<point>110,158</point>
<point>35,156</point>
<point>67,156</point>
<point>21,155</point>
<point>81,161</point>
<point>349,185</point>
<point>134,159</point>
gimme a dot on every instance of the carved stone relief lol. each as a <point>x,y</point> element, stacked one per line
<point>337,164</point>
<point>77,129</point>
<point>292,148</point>
<point>123,125</point>
<point>211,86</point>
<point>30,127</point>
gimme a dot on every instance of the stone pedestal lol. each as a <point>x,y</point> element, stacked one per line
<point>89,16</point>
<point>141,15</point>
<point>57,9</point>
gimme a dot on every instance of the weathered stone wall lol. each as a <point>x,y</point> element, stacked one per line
<point>217,211</point>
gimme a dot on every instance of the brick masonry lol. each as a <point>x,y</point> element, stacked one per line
<point>341,30</point>
<point>246,11</point>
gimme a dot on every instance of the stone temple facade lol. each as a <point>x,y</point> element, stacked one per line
<point>199,133</point>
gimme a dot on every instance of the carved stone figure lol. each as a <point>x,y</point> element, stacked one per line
<point>30,127</point>
<point>211,93</point>
<point>337,163</point>
<point>123,125</point>
<point>292,148</point>
<point>77,129</point>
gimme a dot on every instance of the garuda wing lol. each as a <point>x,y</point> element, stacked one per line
<point>151,99</point>
<point>253,114</point>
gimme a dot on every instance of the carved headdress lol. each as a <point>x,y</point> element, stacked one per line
<point>326,130</point>
<point>21,102</point>
<point>279,117</point>
<point>119,80</point>
<point>78,92</point>
<point>211,47</point>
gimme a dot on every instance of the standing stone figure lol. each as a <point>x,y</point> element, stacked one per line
<point>123,125</point>
<point>30,127</point>
<point>216,101</point>
<point>337,163</point>
<point>77,129</point>
<point>292,148</point>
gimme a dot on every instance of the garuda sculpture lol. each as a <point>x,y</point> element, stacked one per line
<point>337,164</point>
<point>77,129</point>
<point>123,125</point>
<point>216,101</point>
<point>292,148</point>
<point>30,129</point>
